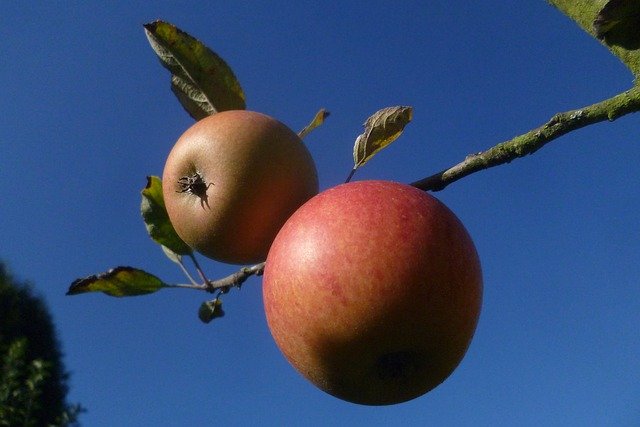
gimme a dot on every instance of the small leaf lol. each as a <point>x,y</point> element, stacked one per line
<point>118,282</point>
<point>317,121</point>
<point>157,220</point>
<point>210,310</point>
<point>618,23</point>
<point>202,80</point>
<point>380,130</point>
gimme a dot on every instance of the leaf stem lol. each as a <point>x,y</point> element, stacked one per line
<point>198,268</point>
<point>351,174</point>
<point>530,142</point>
<point>186,272</point>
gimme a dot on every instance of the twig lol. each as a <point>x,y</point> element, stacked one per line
<point>223,285</point>
<point>528,143</point>
<point>198,268</point>
<point>186,272</point>
<point>520,146</point>
<point>236,279</point>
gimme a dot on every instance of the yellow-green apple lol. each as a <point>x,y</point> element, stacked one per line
<point>232,180</point>
<point>372,291</point>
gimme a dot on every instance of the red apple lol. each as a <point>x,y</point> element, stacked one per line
<point>372,291</point>
<point>232,180</point>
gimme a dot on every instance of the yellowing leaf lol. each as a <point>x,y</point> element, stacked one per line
<point>118,282</point>
<point>202,81</point>
<point>192,99</point>
<point>380,130</point>
<point>157,220</point>
<point>317,121</point>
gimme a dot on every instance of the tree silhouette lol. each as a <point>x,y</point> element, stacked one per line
<point>33,379</point>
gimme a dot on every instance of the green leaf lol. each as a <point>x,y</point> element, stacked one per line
<point>318,120</point>
<point>614,22</point>
<point>202,81</point>
<point>157,220</point>
<point>210,310</point>
<point>380,130</point>
<point>118,282</point>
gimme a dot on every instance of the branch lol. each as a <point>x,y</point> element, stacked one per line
<point>223,285</point>
<point>520,146</point>
<point>236,279</point>
<point>530,142</point>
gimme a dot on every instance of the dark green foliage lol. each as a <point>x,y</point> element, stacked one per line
<point>33,380</point>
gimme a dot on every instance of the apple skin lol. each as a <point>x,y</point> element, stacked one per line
<point>256,171</point>
<point>372,291</point>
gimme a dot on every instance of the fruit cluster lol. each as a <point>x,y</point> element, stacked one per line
<point>372,289</point>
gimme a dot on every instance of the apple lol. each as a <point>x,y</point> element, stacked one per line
<point>372,291</point>
<point>232,180</point>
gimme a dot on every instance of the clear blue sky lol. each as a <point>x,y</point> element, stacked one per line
<point>87,113</point>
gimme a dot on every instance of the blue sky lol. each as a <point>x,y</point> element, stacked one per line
<point>87,113</point>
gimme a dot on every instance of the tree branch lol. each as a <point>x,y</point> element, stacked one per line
<point>520,146</point>
<point>236,279</point>
<point>530,142</point>
<point>223,285</point>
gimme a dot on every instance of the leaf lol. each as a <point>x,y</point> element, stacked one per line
<point>380,130</point>
<point>157,220</point>
<point>610,21</point>
<point>210,310</point>
<point>191,98</point>
<point>118,282</point>
<point>618,23</point>
<point>202,81</point>
<point>172,255</point>
<point>318,120</point>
